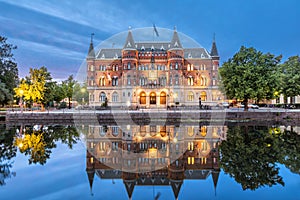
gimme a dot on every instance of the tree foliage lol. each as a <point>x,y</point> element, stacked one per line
<point>80,93</point>
<point>34,88</point>
<point>68,87</point>
<point>8,71</point>
<point>38,141</point>
<point>250,74</point>
<point>249,155</point>
<point>290,77</point>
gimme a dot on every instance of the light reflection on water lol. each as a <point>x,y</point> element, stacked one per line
<point>101,162</point>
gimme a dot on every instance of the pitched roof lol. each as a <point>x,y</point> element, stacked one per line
<point>175,42</point>
<point>91,52</point>
<point>129,185</point>
<point>149,46</point>
<point>176,185</point>
<point>214,50</point>
<point>195,53</point>
<point>109,54</point>
<point>129,43</point>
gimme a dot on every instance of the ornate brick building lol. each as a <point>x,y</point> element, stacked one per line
<point>153,74</point>
<point>154,155</point>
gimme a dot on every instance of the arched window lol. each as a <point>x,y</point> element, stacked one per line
<point>102,81</point>
<point>163,131</point>
<point>203,131</point>
<point>203,96</point>
<point>115,81</point>
<point>128,80</point>
<point>152,98</point>
<point>102,97</point>
<point>176,79</point>
<point>142,98</point>
<point>190,80</point>
<point>190,96</point>
<point>203,81</point>
<point>163,99</point>
<point>115,97</point>
<point>176,65</point>
<point>115,130</point>
<point>190,131</point>
<point>128,65</point>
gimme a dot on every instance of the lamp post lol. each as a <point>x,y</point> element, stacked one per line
<point>21,100</point>
<point>200,103</point>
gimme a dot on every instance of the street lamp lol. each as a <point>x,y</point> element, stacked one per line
<point>21,100</point>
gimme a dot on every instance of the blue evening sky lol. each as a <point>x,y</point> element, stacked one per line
<point>56,33</point>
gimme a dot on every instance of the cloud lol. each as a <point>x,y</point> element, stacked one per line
<point>102,15</point>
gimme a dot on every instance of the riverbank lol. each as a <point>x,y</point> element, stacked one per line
<point>291,117</point>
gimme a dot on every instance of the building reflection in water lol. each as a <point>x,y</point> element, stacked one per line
<point>153,155</point>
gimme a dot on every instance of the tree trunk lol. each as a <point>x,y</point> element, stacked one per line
<point>245,104</point>
<point>69,102</point>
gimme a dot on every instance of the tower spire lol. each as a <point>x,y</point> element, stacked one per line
<point>214,50</point>
<point>129,43</point>
<point>175,42</point>
<point>91,53</point>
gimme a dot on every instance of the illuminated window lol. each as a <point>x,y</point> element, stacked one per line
<point>190,81</point>
<point>190,131</point>
<point>191,160</point>
<point>191,146</point>
<point>203,96</point>
<point>102,81</point>
<point>203,131</point>
<point>190,96</point>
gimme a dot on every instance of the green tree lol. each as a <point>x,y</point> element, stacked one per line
<point>290,150</point>
<point>249,155</point>
<point>250,74</point>
<point>290,77</point>
<point>80,93</point>
<point>54,92</point>
<point>68,87</point>
<point>5,94</point>
<point>8,70</point>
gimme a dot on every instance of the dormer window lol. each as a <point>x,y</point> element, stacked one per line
<point>143,48</point>
<point>176,44</point>
<point>152,48</point>
<point>162,48</point>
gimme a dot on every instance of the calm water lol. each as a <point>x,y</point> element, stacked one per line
<point>149,162</point>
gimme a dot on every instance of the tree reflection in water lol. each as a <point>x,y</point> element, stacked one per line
<point>250,155</point>
<point>7,152</point>
<point>37,141</point>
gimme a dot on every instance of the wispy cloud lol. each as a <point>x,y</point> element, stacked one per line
<point>102,15</point>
